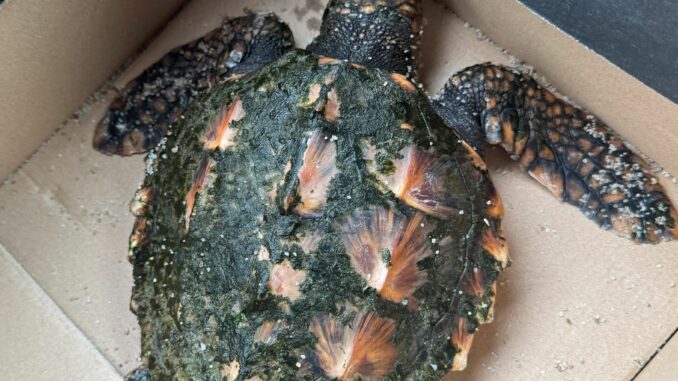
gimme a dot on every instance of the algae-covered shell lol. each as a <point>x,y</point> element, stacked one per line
<point>316,220</point>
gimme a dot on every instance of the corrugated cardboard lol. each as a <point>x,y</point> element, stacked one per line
<point>34,328</point>
<point>54,54</point>
<point>662,367</point>
<point>578,302</point>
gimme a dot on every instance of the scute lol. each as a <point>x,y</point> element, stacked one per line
<point>268,273</point>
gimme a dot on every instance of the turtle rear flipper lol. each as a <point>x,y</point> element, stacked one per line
<point>572,153</point>
<point>146,107</point>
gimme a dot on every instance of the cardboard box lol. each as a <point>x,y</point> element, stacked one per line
<point>577,303</point>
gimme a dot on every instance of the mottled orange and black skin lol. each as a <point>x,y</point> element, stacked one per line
<point>319,217</point>
<point>572,153</point>
<point>146,107</point>
<point>382,34</point>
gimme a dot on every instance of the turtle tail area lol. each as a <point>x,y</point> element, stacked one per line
<point>570,152</point>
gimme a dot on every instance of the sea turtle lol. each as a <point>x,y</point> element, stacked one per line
<point>315,215</point>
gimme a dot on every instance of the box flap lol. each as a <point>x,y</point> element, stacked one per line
<point>55,54</point>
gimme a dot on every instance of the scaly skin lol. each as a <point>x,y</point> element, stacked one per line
<point>569,151</point>
<point>202,293</point>
<point>382,34</point>
<point>146,107</point>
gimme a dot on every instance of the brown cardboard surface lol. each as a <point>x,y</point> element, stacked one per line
<point>38,341</point>
<point>55,54</point>
<point>64,218</point>
<point>578,302</point>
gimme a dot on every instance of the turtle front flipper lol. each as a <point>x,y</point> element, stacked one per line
<point>146,107</point>
<point>572,153</point>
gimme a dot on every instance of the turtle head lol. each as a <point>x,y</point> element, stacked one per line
<point>377,33</point>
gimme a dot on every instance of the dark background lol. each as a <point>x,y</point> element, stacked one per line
<point>640,36</point>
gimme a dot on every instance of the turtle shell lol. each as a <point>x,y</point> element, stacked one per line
<point>314,219</point>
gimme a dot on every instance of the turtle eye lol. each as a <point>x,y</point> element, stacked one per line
<point>493,133</point>
<point>492,126</point>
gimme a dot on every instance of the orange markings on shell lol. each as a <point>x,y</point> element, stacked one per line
<point>475,284</point>
<point>496,245</point>
<point>332,107</point>
<point>139,233</point>
<point>328,61</point>
<point>315,174</point>
<point>478,162</point>
<point>263,254</point>
<point>334,346</point>
<point>230,372</point>
<point>313,94</point>
<point>267,332</point>
<point>490,309</point>
<point>331,76</point>
<point>219,133</point>
<point>367,233</point>
<point>406,126</point>
<point>234,77</point>
<point>310,241</point>
<point>142,198</point>
<point>495,206</point>
<point>285,280</point>
<point>462,340</point>
<point>199,181</point>
<point>363,349</point>
<point>403,82</point>
<point>419,180</point>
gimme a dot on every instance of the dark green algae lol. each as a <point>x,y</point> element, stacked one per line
<point>200,295</point>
